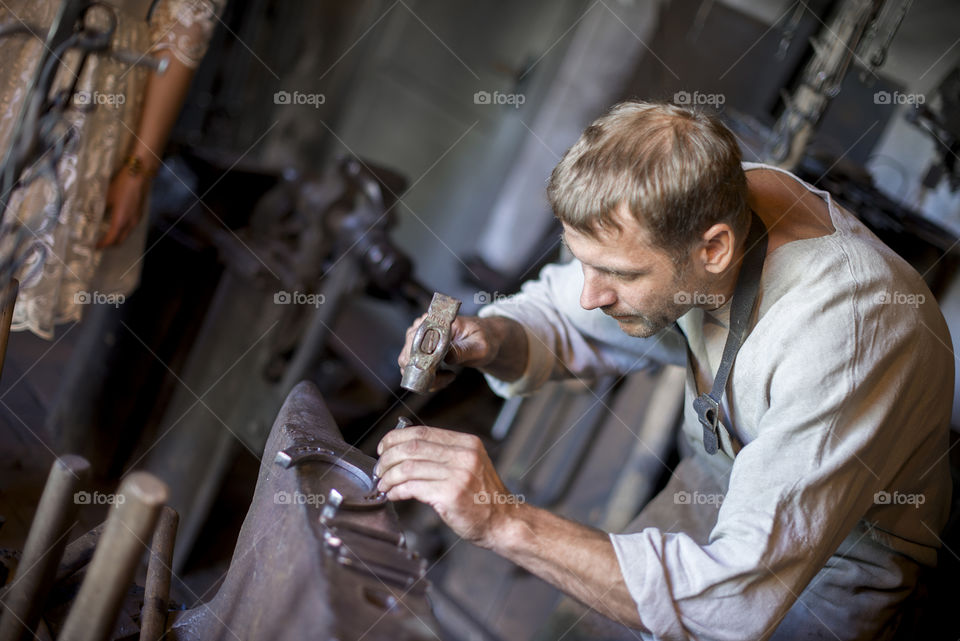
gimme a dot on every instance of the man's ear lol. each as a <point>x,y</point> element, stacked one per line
<point>716,250</point>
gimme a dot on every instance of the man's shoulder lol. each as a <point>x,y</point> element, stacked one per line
<point>847,297</point>
<point>850,266</point>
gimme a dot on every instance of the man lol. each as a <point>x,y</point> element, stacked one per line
<point>833,422</point>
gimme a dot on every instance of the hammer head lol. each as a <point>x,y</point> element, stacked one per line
<point>430,344</point>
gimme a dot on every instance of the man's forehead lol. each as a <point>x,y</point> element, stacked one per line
<point>611,250</point>
<point>613,224</point>
<point>621,231</point>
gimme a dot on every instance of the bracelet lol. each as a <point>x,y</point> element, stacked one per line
<point>136,167</point>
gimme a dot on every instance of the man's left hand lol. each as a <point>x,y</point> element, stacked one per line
<point>449,471</point>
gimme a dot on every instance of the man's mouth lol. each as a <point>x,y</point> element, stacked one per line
<point>623,318</point>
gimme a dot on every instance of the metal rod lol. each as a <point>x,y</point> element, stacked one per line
<point>27,594</point>
<point>153,616</point>
<point>8,298</point>
<point>129,527</point>
<point>132,58</point>
<point>78,553</point>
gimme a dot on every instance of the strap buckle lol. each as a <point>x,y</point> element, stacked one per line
<point>708,411</point>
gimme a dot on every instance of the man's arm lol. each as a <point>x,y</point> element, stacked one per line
<point>574,558</point>
<point>543,334</point>
<point>452,473</point>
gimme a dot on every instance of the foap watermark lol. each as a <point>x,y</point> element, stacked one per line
<point>90,98</point>
<point>298,98</point>
<point>687,99</point>
<point>498,498</point>
<point>486,298</point>
<point>897,98</point>
<point>899,498</point>
<point>298,298</point>
<point>298,498</point>
<point>697,498</point>
<point>98,298</point>
<point>97,498</point>
<point>699,298</point>
<point>498,98</point>
<point>901,298</point>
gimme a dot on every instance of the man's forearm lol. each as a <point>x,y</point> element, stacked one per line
<point>576,559</point>
<point>510,361</point>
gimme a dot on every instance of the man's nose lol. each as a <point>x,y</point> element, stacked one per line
<point>596,293</point>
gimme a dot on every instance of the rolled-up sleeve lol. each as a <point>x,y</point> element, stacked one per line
<point>566,341</point>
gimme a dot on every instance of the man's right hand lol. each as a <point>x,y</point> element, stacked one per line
<point>494,345</point>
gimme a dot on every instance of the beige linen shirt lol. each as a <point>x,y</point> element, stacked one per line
<point>831,484</point>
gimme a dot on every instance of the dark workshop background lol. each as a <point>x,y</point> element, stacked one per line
<point>457,112</point>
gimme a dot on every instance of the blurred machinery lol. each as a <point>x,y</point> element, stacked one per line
<point>857,26</point>
<point>942,123</point>
<point>313,248</point>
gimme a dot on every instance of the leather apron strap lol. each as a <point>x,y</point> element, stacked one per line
<point>707,406</point>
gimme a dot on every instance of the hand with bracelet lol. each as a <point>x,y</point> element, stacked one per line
<point>129,187</point>
<point>126,196</point>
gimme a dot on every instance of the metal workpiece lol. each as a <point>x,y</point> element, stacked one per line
<point>290,457</point>
<point>395,538</point>
<point>23,601</point>
<point>298,455</point>
<point>402,422</point>
<point>430,344</point>
<point>378,559</point>
<point>156,599</point>
<point>332,506</point>
<point>109,576</point>
<point>306,565</point>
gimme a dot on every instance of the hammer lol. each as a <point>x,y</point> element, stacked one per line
<point>430,344</point>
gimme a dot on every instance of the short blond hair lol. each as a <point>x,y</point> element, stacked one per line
<point>677,170</point>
